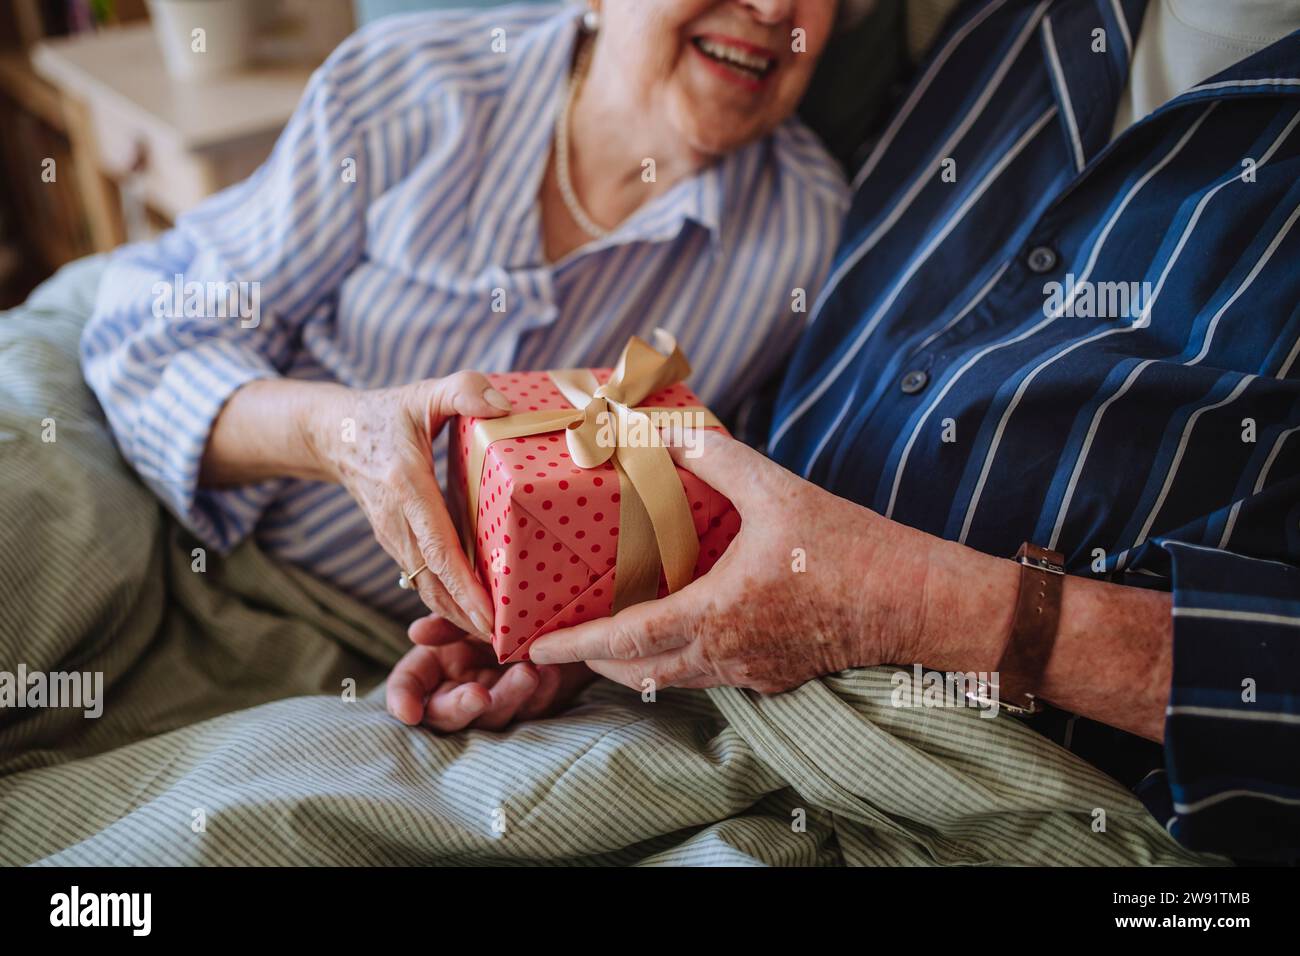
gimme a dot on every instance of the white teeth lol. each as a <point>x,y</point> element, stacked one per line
<point>735,55</point>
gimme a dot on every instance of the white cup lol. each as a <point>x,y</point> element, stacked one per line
<point>202,38</point>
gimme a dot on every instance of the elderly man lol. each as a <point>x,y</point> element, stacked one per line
<point>1064,322</point>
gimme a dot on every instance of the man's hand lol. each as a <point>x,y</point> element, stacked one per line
<point>450,681</point>
<point>873,592</point>
<point>812,584</point>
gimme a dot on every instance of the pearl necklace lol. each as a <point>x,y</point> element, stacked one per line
<point>562,175</point>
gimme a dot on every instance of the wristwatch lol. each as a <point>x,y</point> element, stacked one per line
<point>1019,672</point>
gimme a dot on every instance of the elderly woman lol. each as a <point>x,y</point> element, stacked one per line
<point>519,188</point>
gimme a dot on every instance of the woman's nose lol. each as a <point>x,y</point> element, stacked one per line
<point>769,11</point>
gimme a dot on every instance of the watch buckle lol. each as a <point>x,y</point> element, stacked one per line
<point>983,697</point>
<point>1041,564</point>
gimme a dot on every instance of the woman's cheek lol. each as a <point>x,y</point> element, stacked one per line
<point>644,68</point>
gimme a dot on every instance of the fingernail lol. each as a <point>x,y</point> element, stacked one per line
<point>496,399</point>
<point>470,704</point>
<point>482,623</point>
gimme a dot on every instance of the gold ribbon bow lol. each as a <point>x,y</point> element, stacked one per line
<point>655,525</point>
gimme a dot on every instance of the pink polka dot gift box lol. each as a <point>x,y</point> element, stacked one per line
<point>571,507</point>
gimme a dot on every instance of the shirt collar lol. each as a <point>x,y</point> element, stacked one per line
<point>1088,85</point>
<point>1088,50</point>
<point>698,200</point>
<point>1273,71</point>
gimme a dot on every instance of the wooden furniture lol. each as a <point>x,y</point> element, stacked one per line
<point>43,222</point>
<point>101,145</point>
<point>171,142</point>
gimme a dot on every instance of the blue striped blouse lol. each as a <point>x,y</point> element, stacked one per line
<point>1034,333</point>
<point>395,236</point>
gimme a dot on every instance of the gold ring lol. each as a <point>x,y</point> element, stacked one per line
<point>407,581</point>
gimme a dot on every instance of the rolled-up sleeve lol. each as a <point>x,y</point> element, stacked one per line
<point>184,321</point>
<point>1231,781</point>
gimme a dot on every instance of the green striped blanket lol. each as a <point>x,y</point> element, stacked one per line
<point>230,733</point>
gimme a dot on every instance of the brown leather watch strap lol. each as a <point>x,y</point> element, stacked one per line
<point>1033,630</point>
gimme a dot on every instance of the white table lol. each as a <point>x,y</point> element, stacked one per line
<point>173,142</point>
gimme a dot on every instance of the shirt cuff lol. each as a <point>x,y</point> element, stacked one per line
<point>172,432</point>
<point>1232,729</point>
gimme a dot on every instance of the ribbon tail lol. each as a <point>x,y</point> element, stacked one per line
<point>636,567</point>
<point>651,472</point>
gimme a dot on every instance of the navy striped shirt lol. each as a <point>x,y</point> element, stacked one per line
<point>1034,333</point>
<point>395,235</point>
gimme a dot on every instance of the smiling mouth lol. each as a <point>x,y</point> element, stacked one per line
<point>746,63</point>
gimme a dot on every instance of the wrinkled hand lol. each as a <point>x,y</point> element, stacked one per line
<point>387,467</point>
<point>760,619</point>
<point>449,681</point>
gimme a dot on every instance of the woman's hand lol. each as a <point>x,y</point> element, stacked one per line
<point>812,584</point>
<point>449,682</point>
<point>385,460</point>
<point>379,445</point>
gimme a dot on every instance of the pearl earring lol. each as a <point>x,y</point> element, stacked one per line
<point>591,20</point>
